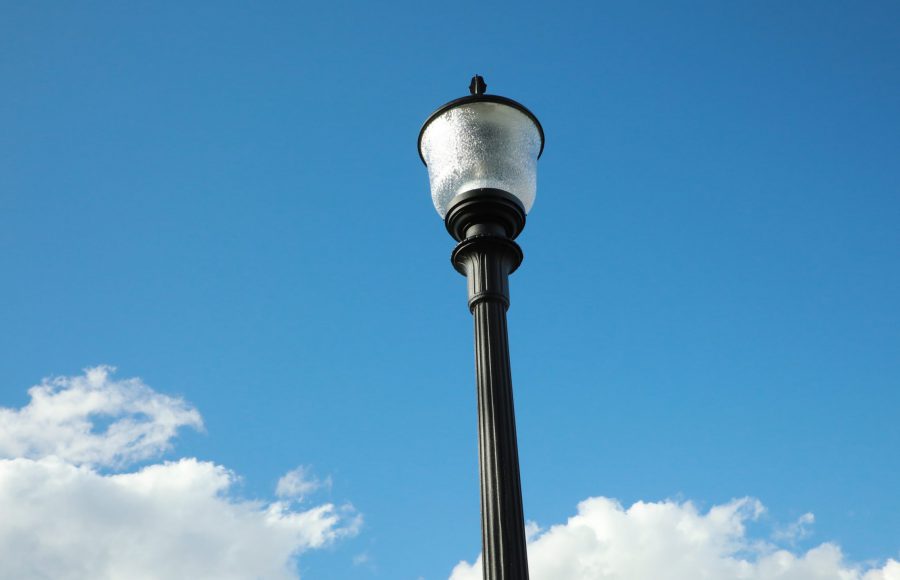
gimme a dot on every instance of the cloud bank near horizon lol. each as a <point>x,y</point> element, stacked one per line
<point>74,507</point>
<point>675,541</point>
<point>71,512</point>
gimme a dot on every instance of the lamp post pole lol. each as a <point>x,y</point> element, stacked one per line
<point>486,255</point>
<point>482,165</point>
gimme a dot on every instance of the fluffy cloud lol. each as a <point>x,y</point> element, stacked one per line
<point>63,414</point>
<point>675,541</point>
<point>63,517</point>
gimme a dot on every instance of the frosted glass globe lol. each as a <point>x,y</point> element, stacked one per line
<point>481,144</point>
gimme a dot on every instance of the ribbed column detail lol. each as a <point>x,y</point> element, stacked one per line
<point>487,261</point>
<point>502,521</point>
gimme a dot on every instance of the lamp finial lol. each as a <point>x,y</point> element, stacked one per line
<point>477,86</point>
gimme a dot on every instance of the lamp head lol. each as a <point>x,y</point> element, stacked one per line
<point>481,142</point>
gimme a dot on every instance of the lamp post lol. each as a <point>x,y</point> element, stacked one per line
<point>481,152</point>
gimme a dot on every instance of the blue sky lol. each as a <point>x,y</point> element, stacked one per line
<point>225,200</point>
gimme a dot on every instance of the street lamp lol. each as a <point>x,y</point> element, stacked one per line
<point>481,152</point>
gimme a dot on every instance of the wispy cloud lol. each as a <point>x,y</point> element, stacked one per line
<point>299,483</point>
<point>796,530</point>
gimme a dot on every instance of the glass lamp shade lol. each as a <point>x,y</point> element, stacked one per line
<point>481,142</point>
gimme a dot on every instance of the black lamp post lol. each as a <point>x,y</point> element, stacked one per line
<point>481,152</point>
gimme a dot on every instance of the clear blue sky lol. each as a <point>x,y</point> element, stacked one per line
<point>225,200</point>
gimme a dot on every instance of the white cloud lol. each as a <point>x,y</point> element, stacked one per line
<point>61,517</point>
<point>675,541</point>
<point>62,418</point>
<point>298,483</point>
<point>796,530</point>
